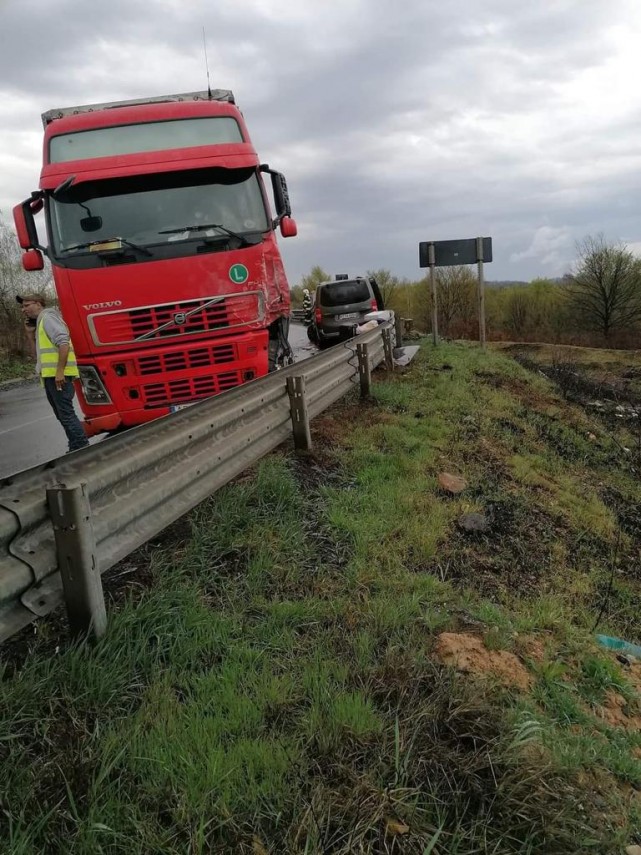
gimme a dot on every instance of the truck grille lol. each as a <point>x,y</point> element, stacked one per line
<point>189,388</point>
<point>170,320</point>
<point>164,363</point>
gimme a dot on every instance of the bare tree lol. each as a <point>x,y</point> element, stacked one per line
<point>296,296</point>
<point>517,312</point>
<point>456,288</point>
<point>15,280</point>
<point>605,286</point>
<point>314,278</point>
<point>386,281</point>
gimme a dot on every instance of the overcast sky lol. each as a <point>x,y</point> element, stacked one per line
<point>393,122</point>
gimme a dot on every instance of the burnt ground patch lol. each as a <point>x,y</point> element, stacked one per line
<point>517,554</point>
<point>627,511</point>
<point>611,397</point>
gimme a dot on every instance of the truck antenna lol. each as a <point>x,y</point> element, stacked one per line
<point>206,64</point>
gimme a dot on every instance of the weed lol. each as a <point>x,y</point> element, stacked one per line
<point>600,675</point>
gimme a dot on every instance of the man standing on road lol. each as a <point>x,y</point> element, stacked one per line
<point>56,363</point>
<point>307,306</point>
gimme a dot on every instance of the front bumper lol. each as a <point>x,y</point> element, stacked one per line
<point>146,384</point>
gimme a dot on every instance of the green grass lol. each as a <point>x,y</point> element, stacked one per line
<point>12,368</point>
<point>275,689</point>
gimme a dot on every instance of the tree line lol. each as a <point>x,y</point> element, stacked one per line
<point>596,304</point>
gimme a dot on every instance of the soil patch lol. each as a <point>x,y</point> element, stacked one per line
<point>613,712</point>
<point>451,483</point>
<point>531,647</point>
<point>467,653</point>
<point>633,674</point>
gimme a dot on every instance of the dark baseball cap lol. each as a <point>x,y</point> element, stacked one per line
<point>31,298</point>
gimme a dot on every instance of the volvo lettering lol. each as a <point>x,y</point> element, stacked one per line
<point>162,240</point>
<point>103,305</point>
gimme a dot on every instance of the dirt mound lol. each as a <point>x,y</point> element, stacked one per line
<point>467,653</point>
<point>613,712</point>
<point>451,483</point>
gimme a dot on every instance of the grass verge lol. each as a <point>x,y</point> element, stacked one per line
<point>12,368</point>
<point>333,663</point>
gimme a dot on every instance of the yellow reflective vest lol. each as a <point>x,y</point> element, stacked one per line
<point>48,355</point>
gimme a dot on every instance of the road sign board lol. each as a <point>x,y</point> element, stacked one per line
<point>448,253</point>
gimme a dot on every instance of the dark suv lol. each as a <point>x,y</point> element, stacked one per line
<point>341,305</point>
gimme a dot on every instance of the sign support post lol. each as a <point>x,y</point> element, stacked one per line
<point>431,260</point>
<point>481,291</point>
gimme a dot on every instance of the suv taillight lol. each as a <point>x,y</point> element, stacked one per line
<point>318,315</point>
<point>374,305</point>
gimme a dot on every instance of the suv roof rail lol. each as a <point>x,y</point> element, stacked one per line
<point>346,279</point>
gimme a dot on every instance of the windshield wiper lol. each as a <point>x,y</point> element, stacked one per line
<point>201,227</point>
<point>86,245</point>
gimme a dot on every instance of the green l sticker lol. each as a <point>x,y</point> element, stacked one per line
<point>238,273</point>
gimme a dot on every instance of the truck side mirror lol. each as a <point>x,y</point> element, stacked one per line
<point>288,227</point>
<point>281,195</point>
<point>32,260</point>
<point>280,191</point>
<point>20,219</point>
<point>23,218</point>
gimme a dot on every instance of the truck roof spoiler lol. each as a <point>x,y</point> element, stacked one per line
<point>213,95</point>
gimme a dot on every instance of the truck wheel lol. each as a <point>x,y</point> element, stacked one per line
<point>279,350</point>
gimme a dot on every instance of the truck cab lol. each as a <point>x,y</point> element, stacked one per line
<point>163,247</point>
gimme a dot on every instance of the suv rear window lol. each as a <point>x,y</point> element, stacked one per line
<point>344,292</point>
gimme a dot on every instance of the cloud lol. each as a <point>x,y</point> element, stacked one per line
<point>549,246</point>
<point>443,121</point>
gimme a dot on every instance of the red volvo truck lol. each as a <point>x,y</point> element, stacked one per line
<point>163,248</point>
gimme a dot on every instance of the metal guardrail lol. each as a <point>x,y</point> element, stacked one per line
<point>141,481</point>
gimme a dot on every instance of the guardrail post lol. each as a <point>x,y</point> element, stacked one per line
<point>398,329</point>
<point>387,347</point>
<point>299,412</point>
<point>77,560</point>
<point>364,370</point>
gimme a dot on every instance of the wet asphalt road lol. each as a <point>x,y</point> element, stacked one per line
<point>29,433</point>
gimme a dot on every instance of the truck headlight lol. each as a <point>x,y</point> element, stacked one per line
<point>92,386</point>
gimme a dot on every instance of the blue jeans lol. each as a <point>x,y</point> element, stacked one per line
<point>61,401</point>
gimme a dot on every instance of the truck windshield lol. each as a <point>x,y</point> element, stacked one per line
<point>149,210</point>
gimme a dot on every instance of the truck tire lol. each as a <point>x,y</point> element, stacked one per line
<point>280,353</point>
